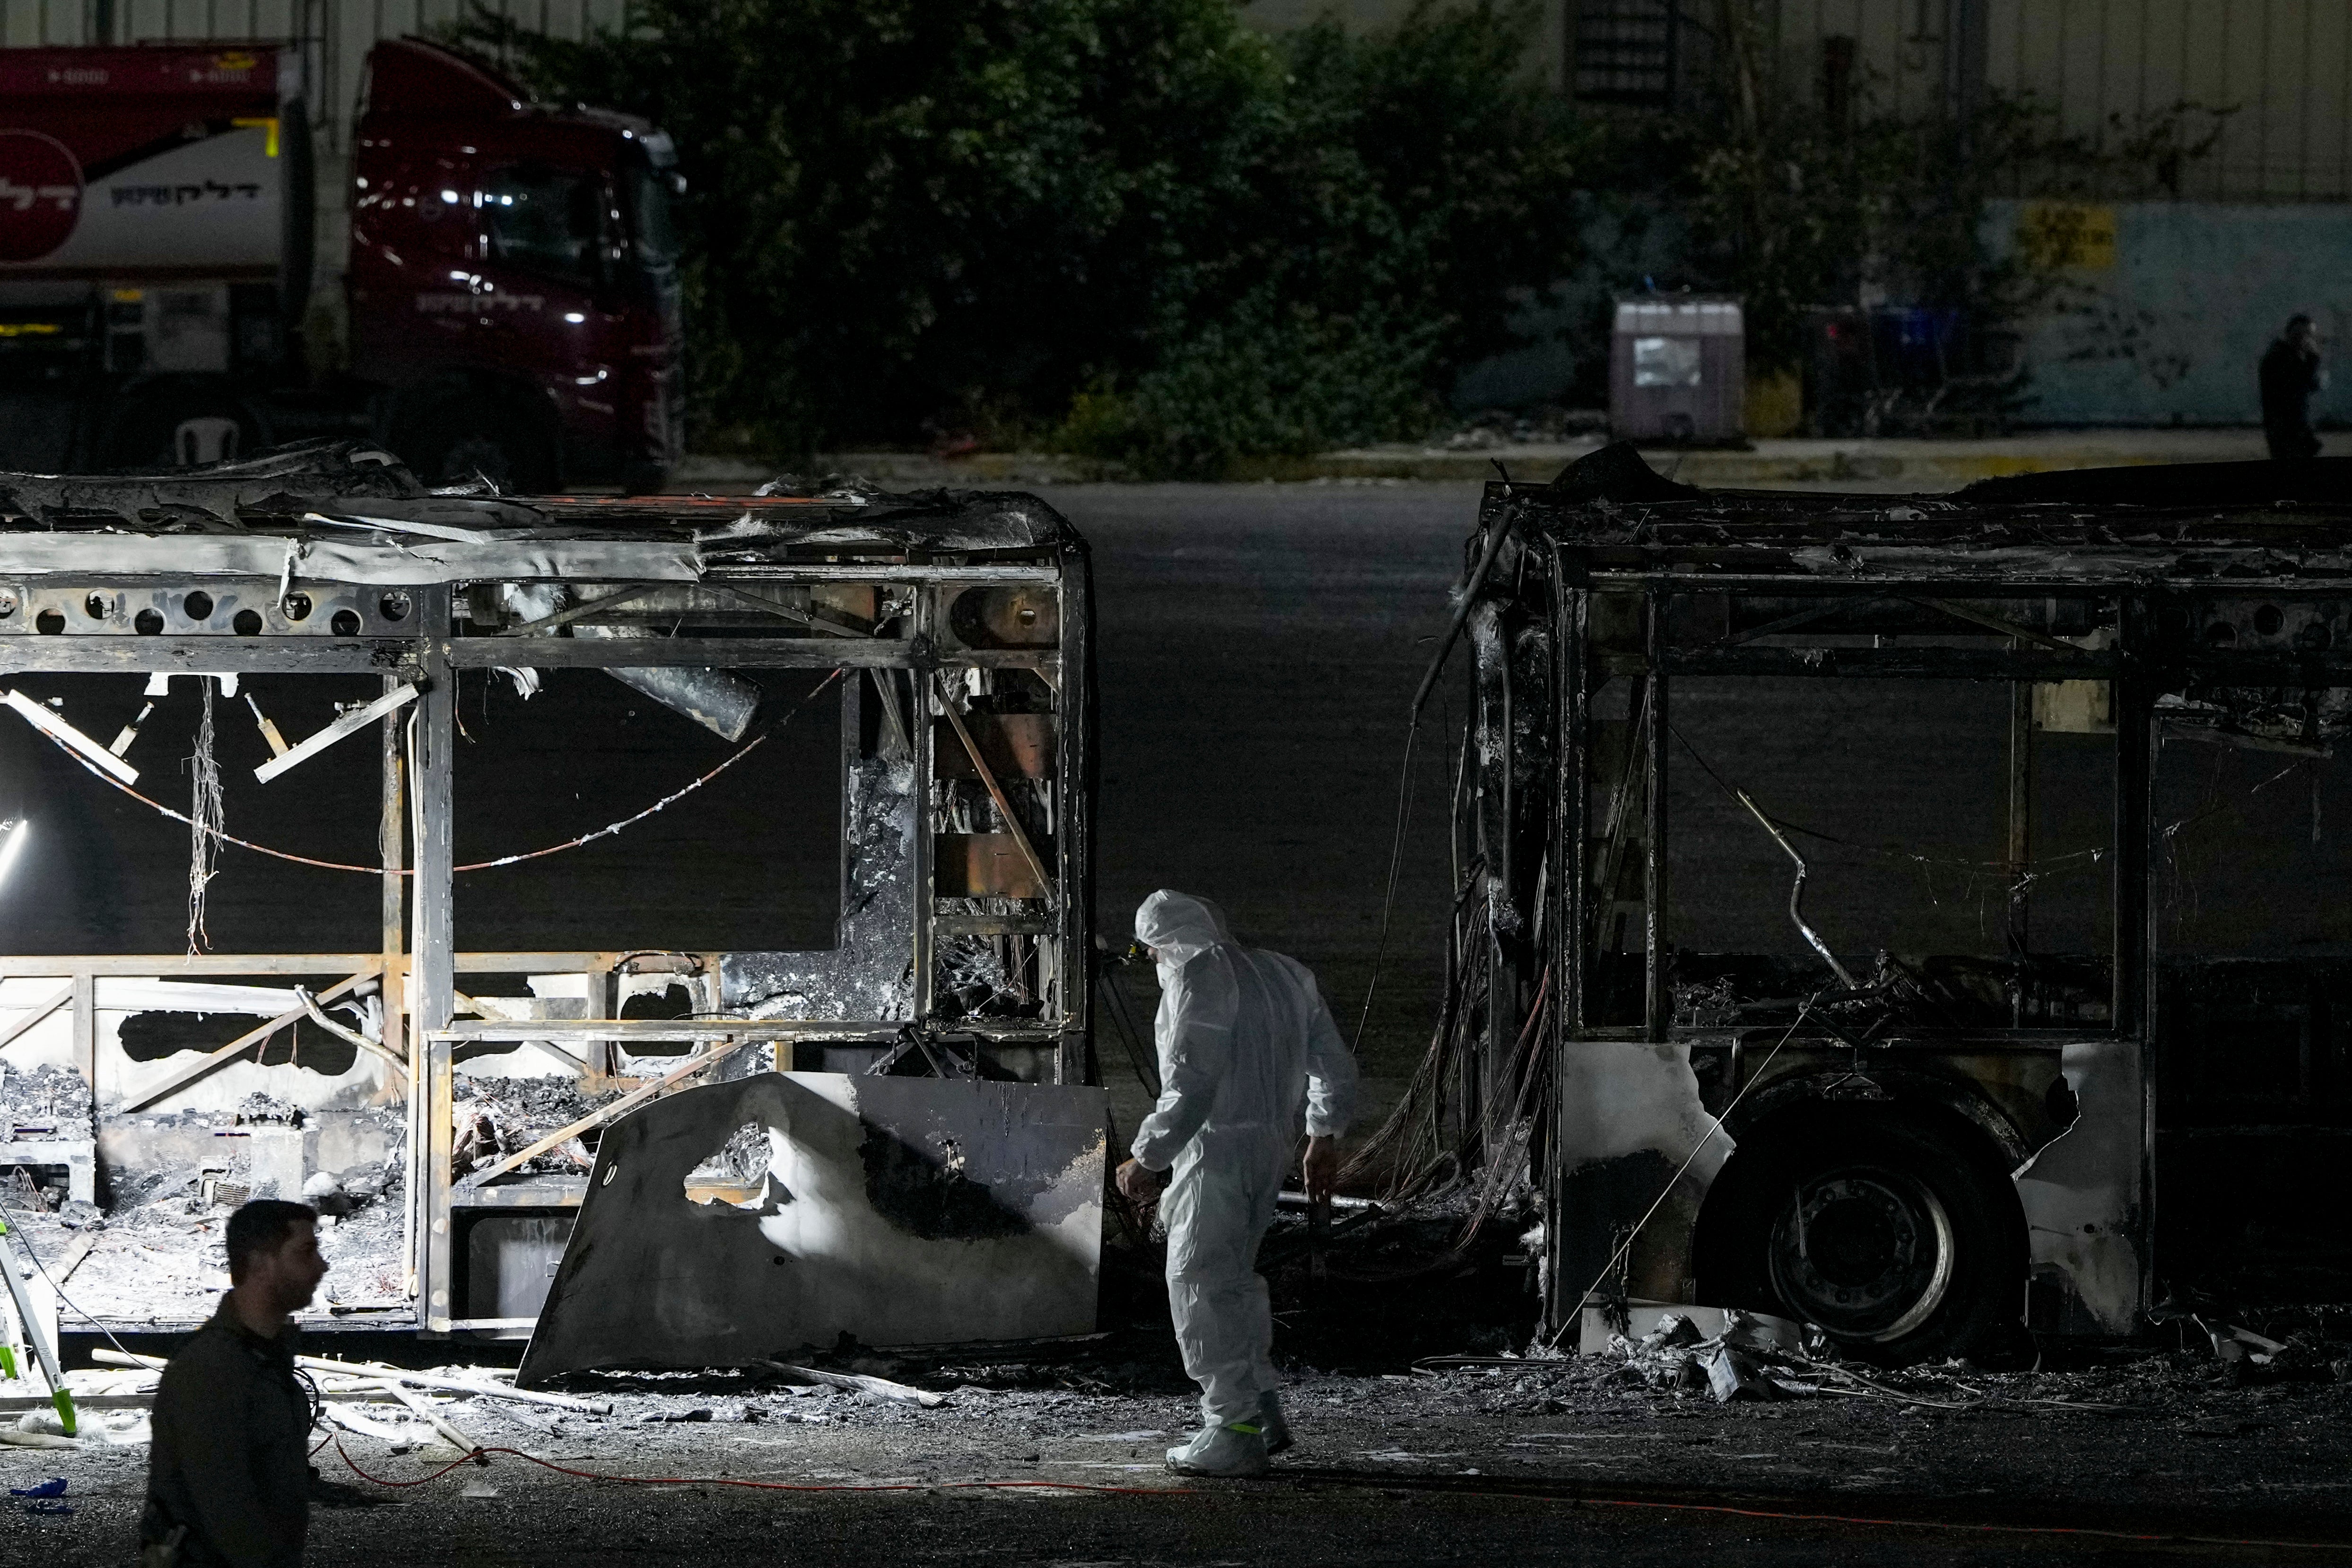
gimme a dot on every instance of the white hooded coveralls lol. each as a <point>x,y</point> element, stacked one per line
<point>1246,1044</point>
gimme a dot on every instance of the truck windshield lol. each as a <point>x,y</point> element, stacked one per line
<point>544,220</point>
<point>651,227</point>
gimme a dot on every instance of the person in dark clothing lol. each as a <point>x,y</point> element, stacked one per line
<point>229,1477</point>
<point>2290,375</point>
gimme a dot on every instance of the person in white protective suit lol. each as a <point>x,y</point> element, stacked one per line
<point>1246,1045</point>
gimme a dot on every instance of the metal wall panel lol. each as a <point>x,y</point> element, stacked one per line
<point>2148,338</point>
<point>2284,67</point>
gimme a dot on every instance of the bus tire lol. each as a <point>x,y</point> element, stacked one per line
<point>1898,1236</point>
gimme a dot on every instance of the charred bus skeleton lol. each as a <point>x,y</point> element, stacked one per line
<point>889,1133</point>
<point>1919,917</point>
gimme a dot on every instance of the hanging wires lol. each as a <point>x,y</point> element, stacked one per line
<point>606,831</point>
<point>206,805</point>
<point>1464,599</point>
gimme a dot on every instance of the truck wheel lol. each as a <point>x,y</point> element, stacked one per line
<point>477,438</point>
<point>1894,1237</point>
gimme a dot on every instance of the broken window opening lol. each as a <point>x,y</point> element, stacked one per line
<point>736,1172</point>
<point>2248,863</point>
<point>993,976</point>
<point>155,1036</point>
<point>95,856</point>
<point>673,998</point>
<point>577,756</point>
<point>1897,795</point>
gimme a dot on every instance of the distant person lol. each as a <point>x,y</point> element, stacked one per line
<point>1248,1054</point>
<point>2290,375</point>
<point>228,1478</point>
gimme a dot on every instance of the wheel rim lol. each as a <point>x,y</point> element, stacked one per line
<point>1865,1252</point>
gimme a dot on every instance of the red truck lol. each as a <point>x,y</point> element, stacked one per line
<point>510,296</point>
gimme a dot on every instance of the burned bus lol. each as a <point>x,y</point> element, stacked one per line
<point>657,927</point>
<point>1919,917</point>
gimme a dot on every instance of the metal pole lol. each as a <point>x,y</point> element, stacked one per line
<point>435,958</point>
<point>1572,892</point>
<point>85,1034</point>
<point>1074,804</point>
<point>1656,1014</point>
<point>2019,855</point>
<point>2137,999</point>
<point>392,847</point>
<point>391,839</point>
<point>919,720</point>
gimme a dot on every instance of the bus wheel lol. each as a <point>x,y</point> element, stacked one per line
<point>1894,1237</point>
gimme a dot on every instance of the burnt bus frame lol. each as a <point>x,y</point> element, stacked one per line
<point>417,812</point>
<point>1612,1242</point>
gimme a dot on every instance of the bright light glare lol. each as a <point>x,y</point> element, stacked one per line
<point>12,847</point>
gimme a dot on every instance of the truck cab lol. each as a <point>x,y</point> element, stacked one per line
<point>511,286</point>
<point>513,282</point>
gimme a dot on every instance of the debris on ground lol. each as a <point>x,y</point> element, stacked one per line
<point>151,1251</point>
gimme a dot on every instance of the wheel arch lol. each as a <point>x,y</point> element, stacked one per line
<point>1906,1089</point>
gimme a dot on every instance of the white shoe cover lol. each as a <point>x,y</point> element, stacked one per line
<point>1229,1450</point>
<point>1269,1418</point>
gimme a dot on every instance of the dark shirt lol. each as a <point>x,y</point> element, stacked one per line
<point>231,1456</point>
<point>2290,374</point>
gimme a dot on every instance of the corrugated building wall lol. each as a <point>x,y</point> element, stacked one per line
<point>2164,324</point>
<point>2283,68</point>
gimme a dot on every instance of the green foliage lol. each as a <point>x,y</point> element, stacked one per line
<point>1268,377</point>
<point>906,215</point>
<point>1797,205</point>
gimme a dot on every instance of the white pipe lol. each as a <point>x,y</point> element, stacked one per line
<point>65,734</point>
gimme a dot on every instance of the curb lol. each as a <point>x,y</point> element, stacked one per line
<point>1901,466</point>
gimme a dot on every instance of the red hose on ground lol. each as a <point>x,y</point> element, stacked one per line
<point>1187,1491</point>
<point>765,1486</point>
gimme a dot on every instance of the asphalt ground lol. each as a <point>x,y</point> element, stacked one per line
<point>1259,646</point>
<point>1533,1464</point>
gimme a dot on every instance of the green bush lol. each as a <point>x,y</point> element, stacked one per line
<point>1167,239</point>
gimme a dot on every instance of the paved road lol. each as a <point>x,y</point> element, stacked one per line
<point>1259,647</point>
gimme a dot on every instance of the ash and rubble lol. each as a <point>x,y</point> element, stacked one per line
<point>155,1253</point>
<point>2120,1427</point>
<point>45,1102</point>
<point>501,1116</point>
<point>150,1249</point>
